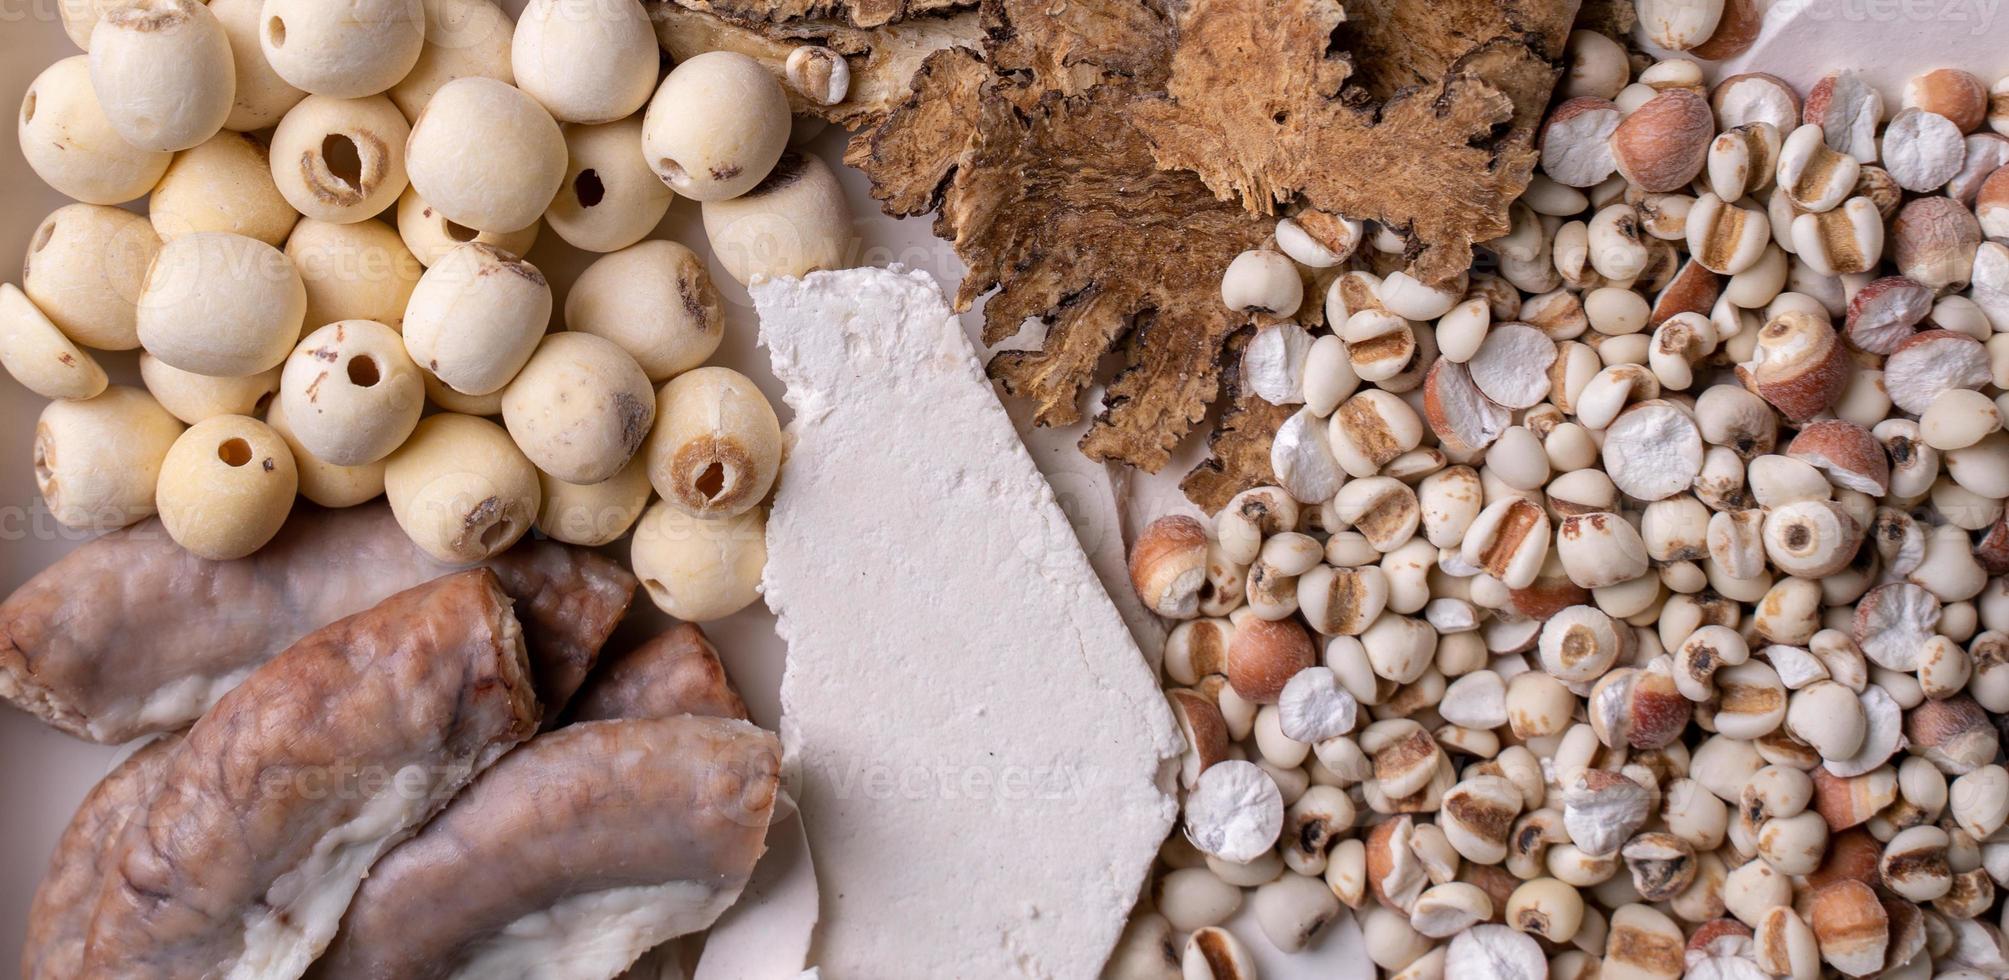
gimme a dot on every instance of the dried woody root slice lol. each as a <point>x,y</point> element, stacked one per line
<point>1445,95</point>
<point>1057,160</point>
<point>858,13</point>
<point>881,59</point>
<point>1057,203</point>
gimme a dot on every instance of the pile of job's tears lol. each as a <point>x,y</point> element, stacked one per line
<point>1632,606</point>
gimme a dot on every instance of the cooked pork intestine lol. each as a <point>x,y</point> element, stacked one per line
<point>59,919</point>
<point>129,635</point>
<point>578,852</point>
<point>273,808</point>
<point>677,673</point>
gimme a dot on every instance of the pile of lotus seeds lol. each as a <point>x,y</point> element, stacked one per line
<point>292,338</point>
<point>1633,606</point>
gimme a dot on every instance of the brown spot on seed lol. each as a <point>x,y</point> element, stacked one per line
<point>636,416</point>
<point>1392,346</point>
<point>1363,422</point>
<point>147,18</point>
<point>787,171</point>
<point>1491,821</point>
<point>503,262</point>
<point>1514,528</point>
<point>1651,953</point>
<point>1922,861</point>
<point>1213,946</point>
<point>1579,644</point>
<point>698,456</point>
<point>1748,699</point>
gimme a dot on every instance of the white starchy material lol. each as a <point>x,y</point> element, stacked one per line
<point>1496,952</point>
<point>1882,737</point>
<point>768,931</point>
<point>1273,364</point>
<point>1922,150</point>
<point>1023,708</point>
<point>1314,707</point>
<point>1235,811</point>
<point>283,934</point>
<point>595,935</point>
<point>1602,809</point>
<point>1512,365</point>
<point>1653,451</point>
<point>1301,455</point>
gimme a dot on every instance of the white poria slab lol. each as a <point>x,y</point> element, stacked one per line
<point>985,760</point>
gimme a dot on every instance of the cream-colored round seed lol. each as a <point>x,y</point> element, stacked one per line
<point>476,317</point>
<point>323,482</point>
<point>193,397</point>
<point>1538,704</point>
<point>78,16</point>
<point>610,198</point>
<point>482,406</point>
<point>37,354</point>
<point>351,393</point>
<point>486,155</point>
<point>716,126</point>
<point>461,489</point>
<point>586,61</point>
<point>656,301</point>
<point>341,160</point>
<point>70,143</point>
<point>818,74</point>
<point>1616,312</point>
<point>260,98</point>
<point>1517,459</point>
<point>221,304</point>
<point>580,408</point>
<point>344,50</point>
<point>97,461</point>
<point>1794,845</point>
<point>1828,717</point>
<point>1195,898</point>
<point>1261,280</point>
<point>791,224</point>
<point>717,443</point>
<point>225,184</point>
<point>1391,943</point>
<point>1547,908</point>
<point>700,570</point>
<point>464,38</point>
<point>1980,801</point>
<point>594,514</point>
<point>360,271</point>
<point>1914,864</point>
<point>226,487</point>
<point>431,235</point>
<point>1957,419</point>
<point>1450,908</point>
<point>163,72</point>
<point>85,269</point>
